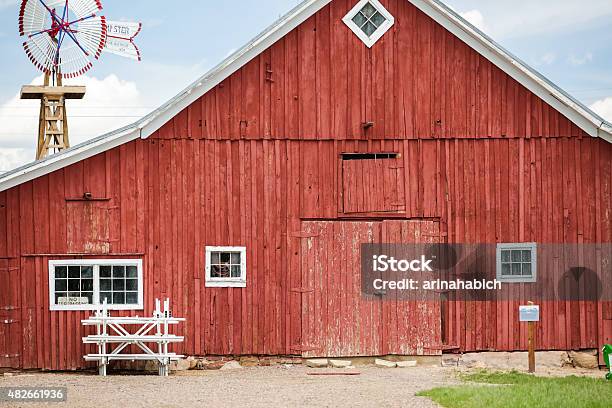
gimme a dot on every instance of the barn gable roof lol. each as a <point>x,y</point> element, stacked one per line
<point>578,113</point>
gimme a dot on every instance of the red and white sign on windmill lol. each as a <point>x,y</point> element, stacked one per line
<point>61,38</point>
<point>120,39</point>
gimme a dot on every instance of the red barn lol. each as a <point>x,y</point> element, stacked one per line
<point>244,199</point>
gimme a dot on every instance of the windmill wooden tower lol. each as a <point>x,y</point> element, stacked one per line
<point>61,37</point>
<point>53,121</point>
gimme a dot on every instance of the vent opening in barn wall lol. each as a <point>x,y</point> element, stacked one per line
<point>368,156</point>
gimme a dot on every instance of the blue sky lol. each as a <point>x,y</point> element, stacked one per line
<point>569,41</point>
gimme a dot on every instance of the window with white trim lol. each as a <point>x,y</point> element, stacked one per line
<point>225,266</point>
<point>517,262</point>
<point>369,20</point>
<point>84,284</point>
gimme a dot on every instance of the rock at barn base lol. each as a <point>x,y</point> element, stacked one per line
<point>316,362</point>
<point>584,359</point>
<point>231,365</point>
<point>379,362</point>
<point>340,363</point>
<point>180,365</point>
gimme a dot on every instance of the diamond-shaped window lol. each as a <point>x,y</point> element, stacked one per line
<point>369,20</point>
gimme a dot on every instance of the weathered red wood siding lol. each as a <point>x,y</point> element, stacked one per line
<point>321,82</point>
<point>259,154</point>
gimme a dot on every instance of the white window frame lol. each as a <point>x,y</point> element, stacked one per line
<point>96,263</point>
<point>380,31</point>
<point>213,282</point>
<point>526,246</point>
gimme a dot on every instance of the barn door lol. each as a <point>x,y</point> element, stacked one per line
<point>10,325</point>
<point>411,327</point>
<point>336,319</point>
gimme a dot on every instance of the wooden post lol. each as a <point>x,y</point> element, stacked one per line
<point>53,121</point>
<point>531,340</point>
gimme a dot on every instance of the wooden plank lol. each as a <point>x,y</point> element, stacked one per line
<point>323,65</point>
<point>339,71</point>
<point>307,78</point>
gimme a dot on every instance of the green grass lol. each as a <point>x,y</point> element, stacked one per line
<point>514,389</point>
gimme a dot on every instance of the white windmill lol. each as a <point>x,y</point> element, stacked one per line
<point>61,38</point>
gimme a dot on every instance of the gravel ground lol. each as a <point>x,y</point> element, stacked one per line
<point>276,386</point>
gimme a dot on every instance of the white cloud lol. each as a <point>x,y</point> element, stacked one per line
<point>7,3</point>
<point>524,18</point>
<point>13,158</point>
<point>603,108</point>
<point>109,103</point>
<point>580,60</point>
<point>546,59</point>
<point>475,18</point>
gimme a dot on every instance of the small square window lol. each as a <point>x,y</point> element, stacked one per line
<point>225,266</point>
<point>131,272</point>
<point>378,19</point>
<point>131,298</point>
<point>61,272</point>
<point>131,284</point>
<point>118,285</point>
<point>74,272</point>
<point>87,272</point>
<point>360,19</point>
<point>368,10</point>
<point>369,20</point>
<point>74,284</point>
<point>118,271</point>
<point>61,285</point>
<point>516,262</point>
<point>105,284</point>
<point>105,271</point>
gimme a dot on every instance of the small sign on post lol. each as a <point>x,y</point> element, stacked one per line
<point>530,313</point>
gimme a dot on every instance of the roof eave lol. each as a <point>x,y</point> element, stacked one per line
<point>582,116</point>
<point>70,156</point>
<point>605,131</point>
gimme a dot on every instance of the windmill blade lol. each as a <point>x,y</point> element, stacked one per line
<point>83,8</point>
<point>91,34</point>
<point>122,47</point>
<point>41,51</point>
<point>32,17</point>
<point>123,29</point>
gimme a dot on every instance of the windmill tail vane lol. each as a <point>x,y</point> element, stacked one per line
<point>120,39</point>
<point>62,38</point>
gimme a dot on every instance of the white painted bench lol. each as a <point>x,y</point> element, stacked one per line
<point>125,331</point>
